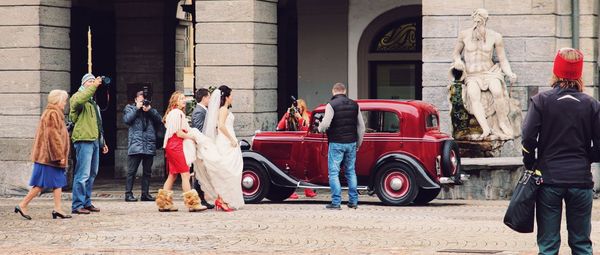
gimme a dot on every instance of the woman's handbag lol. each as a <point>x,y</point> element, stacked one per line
<point>520,214</point>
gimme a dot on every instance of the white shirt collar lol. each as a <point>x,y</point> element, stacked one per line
<point>205,108</point>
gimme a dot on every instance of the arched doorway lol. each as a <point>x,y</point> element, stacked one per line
<point>389,56</point>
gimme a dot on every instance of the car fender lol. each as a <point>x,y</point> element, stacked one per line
<point>276,175</point>
<point>423,179</point>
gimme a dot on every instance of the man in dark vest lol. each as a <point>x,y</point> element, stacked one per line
<point>345,129</point>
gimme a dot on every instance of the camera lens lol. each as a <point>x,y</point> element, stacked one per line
<point>106,79</point>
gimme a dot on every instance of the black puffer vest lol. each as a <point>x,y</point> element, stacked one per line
<point>344,122</point>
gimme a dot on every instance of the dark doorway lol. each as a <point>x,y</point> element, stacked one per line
<point>395,79</point>
<point>287,54</point>
<point>101,18</point>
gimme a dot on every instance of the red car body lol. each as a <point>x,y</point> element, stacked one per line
<point>404,158</point>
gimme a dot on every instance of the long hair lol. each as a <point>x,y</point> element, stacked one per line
<point>173,103</point>
<point>302,104</point>
<point>225,92</point>
<point>567,54</point>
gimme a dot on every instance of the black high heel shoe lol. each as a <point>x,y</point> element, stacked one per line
<point>18,210</point>
<point>60,215</point>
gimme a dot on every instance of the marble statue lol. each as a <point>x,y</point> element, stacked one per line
<point>484,91</point>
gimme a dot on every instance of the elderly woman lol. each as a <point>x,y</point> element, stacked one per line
<point>50,155</point>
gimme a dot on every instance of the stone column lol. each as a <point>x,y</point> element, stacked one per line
<point>236,45</point>
<point>34,59</point>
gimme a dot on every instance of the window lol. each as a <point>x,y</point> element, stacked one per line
<point>432,121</point>
<point>381,122</point>
<point>316,119</point>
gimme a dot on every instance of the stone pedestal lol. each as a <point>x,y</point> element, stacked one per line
<point>489,148</point>
<point>490,179</point>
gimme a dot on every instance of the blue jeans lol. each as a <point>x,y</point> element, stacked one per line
<point>342,153</point>
<point>86,170</point>
<point>579,219</point>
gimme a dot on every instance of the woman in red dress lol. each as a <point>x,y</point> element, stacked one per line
<point>177,128</point>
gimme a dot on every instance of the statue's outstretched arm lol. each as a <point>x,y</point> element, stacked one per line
<point>504,65</point>
<point>456,54</point>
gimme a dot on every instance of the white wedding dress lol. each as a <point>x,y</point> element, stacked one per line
<point>221,166</point>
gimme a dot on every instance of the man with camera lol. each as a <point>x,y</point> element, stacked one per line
<point>142,120</point>
<point>87,137</point>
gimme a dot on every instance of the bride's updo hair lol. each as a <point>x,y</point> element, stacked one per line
<point>225,92</point>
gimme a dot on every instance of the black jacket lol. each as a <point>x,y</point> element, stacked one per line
<point>562,124</point>
<point>344,122</point>
<point>141,136</point>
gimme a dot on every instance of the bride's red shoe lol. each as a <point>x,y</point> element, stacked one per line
<point>220,206</point>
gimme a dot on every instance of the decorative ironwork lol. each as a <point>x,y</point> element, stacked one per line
<point>398,39</point>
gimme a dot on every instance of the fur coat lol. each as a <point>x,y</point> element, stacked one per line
<point>51,145</point>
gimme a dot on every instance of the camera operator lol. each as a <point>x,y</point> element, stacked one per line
<point>87,139</point>
<point>296,118</point>
<point>299,116</point>
<point>141,147</point>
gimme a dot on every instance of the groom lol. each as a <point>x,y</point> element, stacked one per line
<point>202,97</point>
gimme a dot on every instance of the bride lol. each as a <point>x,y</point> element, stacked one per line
<point>221,154</point>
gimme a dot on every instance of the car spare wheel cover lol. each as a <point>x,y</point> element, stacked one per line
<point>396,184</point>
<point>250,183</point>
<point>453,161</point>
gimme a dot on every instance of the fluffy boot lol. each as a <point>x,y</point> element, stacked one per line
<point>192,201</point>
<point>164,201</point>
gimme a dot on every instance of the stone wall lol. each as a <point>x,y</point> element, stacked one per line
<point>236,45</point>
<point>139,59</point>
<point>532,30</point>
<point>34,59</point>
<point>322,53</point>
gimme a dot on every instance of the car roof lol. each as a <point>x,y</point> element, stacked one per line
<point>400,105</point>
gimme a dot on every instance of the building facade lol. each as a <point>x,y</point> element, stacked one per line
<point>266,50</point>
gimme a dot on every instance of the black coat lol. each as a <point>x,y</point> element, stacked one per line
<point>561,125</point>
<point>142,126</point>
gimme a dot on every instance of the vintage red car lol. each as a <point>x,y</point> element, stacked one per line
<point>404,157</point>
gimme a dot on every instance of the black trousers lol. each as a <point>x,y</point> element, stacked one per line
<point>579,219</point>
<point>133,164</point>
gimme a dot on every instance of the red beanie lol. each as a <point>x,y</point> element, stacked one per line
<point>568,69</point>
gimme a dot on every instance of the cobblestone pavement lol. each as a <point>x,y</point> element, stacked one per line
<point>294,227</point>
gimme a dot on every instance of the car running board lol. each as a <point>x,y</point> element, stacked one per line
<point>308,185</point>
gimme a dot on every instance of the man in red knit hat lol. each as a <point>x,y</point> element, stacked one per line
<point>561,125</point>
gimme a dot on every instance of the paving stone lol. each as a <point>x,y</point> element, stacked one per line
<point>302,226</point>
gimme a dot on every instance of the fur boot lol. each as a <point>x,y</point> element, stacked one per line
<point>164,201</point>
<point>192,201</point>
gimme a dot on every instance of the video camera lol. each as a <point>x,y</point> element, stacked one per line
<point>292,110</point>
<point>147,96</point>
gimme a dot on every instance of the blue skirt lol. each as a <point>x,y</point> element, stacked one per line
<point>48,177</point>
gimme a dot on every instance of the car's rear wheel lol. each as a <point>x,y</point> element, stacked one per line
<point>396,184</point>
<point>255,182</point>
<point>278,193</point>
<point>450,159</point>
<point>426,195</point>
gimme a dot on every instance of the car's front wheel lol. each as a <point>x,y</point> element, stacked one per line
<point>255,182</point>
<point>396,184</point>
<point>278,193</point>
